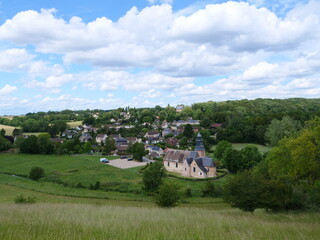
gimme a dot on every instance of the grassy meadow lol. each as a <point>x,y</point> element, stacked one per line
<point>123,211</point>
<point>8,129</point>
<point>86,221</point>
<point>239,146</point>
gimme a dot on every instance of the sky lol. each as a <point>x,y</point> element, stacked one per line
<point>105,54</point>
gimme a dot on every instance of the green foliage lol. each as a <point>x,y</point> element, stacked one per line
<point>168,195</point>
<point>20,199</point>
<point>152,176</point>
<point>137,150</point>
<point>209,189</point>
<point>29,145</point>
<point>44,143</point>
<point>36,173</point>
<point>243,190</point>
<point>278,129</point>
<point>188,192</point>
<point>109,145</point>
<point>2,132</point>
<point>5,144</point>
<point>297,158</point>
<point>188,131</point>
<point>221,147</point>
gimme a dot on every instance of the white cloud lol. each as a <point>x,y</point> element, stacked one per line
<point>7,89</point>
<point>14,58</point>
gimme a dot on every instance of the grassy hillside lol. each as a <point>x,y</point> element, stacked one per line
<point>8,129</point>
<point>83,221</point>
<point>69,171</point>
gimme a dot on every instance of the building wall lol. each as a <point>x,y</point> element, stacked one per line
<point>173,166</point>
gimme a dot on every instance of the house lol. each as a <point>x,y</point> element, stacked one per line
<point>101,138</point>
<point>85,138</point>
<point>121,141</point>
<point>164,124</point>
<point>154,149</point>
<point>152,137</point>
<point>190,163</point>
<point>69,134</point>
<point>122,149</point>
<point>132,140</point>
<point>179,108</point>
<point>174,142</point>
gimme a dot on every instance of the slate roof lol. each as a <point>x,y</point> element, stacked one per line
<point>176,155</point>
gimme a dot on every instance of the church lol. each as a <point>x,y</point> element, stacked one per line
<point>190,163</point>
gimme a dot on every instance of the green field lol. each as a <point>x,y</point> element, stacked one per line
<point>87,221</point>
<point>63,211</point>
<point>239,146</point>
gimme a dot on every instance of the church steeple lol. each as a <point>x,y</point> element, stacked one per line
<point>199,146</point>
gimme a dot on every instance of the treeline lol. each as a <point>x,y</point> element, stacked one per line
<point>242,120</point>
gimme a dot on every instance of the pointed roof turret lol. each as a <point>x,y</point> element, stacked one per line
<point>199,143</point>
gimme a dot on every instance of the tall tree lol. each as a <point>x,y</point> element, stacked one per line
<point>152,176</point>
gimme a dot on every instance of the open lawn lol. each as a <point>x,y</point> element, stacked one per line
<point>85,221</point>
<point>64,173</point>
<point>74,123</point>
<point>239,146</point>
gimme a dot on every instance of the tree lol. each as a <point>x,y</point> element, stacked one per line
<point>250,156</point>
<point>232,160</point>
<point>168,195</point>
<point>152,176</point>
<point>44,143</point>
<point>36,173</point>
<point>109,145</point>
<point>297,158</point>
<point>29,145</point>
<point>188,131</point>
<point>2,132</point>
<point>16,132</point>
<point>5,144</point>
<point>278,129</point>
<point>137,150</point>
<point>221,147</point>
<point>243,191</point>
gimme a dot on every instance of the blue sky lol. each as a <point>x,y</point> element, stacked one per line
<point>57,55</point>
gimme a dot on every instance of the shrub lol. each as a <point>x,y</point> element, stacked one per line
<point>209,190</point>
<point>168,195</point>
<point>188,192</point>
<point>36,173</point>
<point>20,199</point>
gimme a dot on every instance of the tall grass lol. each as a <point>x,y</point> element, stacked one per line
<point>82,221</point>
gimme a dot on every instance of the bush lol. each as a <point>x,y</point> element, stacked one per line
<point>20,199</point>
<point>36,173</point>
<point>209,190</point>
<point>168,195</point>
<point>188,192</point>
<point>152,176</point>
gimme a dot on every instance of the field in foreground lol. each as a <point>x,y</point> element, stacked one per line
<point>84,221</point>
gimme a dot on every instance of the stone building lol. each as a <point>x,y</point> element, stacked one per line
<point>190,163</point>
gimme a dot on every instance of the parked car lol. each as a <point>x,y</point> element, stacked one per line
<point>104,160</point>
<point>123,157</point>
<point>130,159</point>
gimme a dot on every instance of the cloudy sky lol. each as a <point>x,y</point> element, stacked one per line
<point>67,54</point>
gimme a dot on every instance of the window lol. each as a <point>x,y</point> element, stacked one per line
<point>201,174</point>
<point>168,164</point>
<point>194,169</point>
<point>176,165</point>
<point>185,169</point>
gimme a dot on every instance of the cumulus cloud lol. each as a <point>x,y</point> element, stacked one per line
<point>14,59</point>
<point>7,89</point>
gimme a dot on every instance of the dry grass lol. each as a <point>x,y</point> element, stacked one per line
<point>83,221</point>
<point>74,124</point>
<point>8,129</point>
